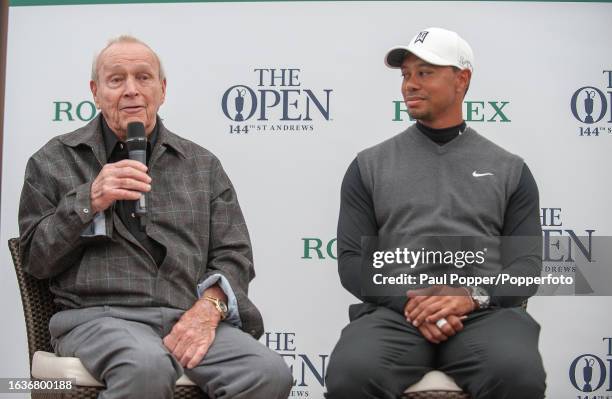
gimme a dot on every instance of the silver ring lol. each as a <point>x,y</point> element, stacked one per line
<point>440,323</point>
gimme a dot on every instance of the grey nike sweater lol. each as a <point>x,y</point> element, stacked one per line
<point>421,188</point>
<point>418,188</point>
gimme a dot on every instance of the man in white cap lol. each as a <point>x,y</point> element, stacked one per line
<point>438,178</point>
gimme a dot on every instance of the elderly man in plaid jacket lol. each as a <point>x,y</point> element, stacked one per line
<point>144,302</point>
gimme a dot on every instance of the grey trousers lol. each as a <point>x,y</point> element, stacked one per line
<point>123,347</point>
<point>496,356</point>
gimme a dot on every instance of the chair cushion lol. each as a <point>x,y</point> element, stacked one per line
<point>434,381</point>
<point>47,365</point>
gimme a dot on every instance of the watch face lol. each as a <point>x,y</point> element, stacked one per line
<point>480,296</point>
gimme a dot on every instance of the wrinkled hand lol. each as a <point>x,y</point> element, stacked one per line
<point>193,334</point>
<point>123,180</point>
<point>435,334</point>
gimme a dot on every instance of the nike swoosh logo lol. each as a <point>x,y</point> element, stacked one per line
<point>476,174</point>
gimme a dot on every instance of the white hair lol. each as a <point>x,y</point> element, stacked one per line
<point>124,39</point>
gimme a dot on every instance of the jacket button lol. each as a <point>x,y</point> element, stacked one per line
<point>85,210</point>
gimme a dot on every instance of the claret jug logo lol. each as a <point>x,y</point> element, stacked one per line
<point>589,373</point>
<point>592,107</point>
<point>276,103</point>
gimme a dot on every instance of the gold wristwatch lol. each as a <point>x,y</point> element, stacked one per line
<point>219,304</point>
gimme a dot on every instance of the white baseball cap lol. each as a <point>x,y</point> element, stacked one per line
<point>436,46</point>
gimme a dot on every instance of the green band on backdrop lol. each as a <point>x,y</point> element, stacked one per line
<point>15,3</point>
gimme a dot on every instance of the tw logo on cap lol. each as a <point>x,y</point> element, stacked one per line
<point>465,63</point>
<point>421,37</point>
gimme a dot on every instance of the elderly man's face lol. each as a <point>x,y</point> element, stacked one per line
<point>128,88</point>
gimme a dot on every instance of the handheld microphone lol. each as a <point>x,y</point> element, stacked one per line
<point>137,150</point>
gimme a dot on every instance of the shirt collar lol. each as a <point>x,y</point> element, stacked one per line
<point>92,135</point>
<point>441,136</point>
<point>111,139</point>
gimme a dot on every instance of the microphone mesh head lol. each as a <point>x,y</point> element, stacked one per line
<point>136,136</point>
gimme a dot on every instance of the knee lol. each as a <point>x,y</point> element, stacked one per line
<point>271,376</point>
<point>350,376</point>
<point>511,380</point>
<point>525,381</point>
<point>154,365</point>
<point>144,372</point>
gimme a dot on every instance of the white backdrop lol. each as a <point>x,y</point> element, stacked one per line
<point>534,56</point>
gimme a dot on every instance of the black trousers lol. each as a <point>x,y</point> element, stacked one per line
<point>380,354</point>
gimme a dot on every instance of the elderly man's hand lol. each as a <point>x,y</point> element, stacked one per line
<point>437,302</point>
<point>123,180</point>
<point>194,333</point>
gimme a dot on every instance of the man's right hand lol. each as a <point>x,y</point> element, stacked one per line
<point>435,334</point>
<point>123,180</point>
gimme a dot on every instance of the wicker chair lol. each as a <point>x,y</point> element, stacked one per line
<point>38,307</point>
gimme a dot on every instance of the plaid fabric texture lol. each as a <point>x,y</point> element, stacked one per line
<point>192,211</point>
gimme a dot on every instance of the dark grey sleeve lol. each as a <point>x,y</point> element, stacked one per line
<point>230,253</point>
<point>357,219</point>
<point>520,257</point>
<point>50,222</point>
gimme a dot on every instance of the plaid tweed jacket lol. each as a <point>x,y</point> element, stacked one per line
<point>192,211</point>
